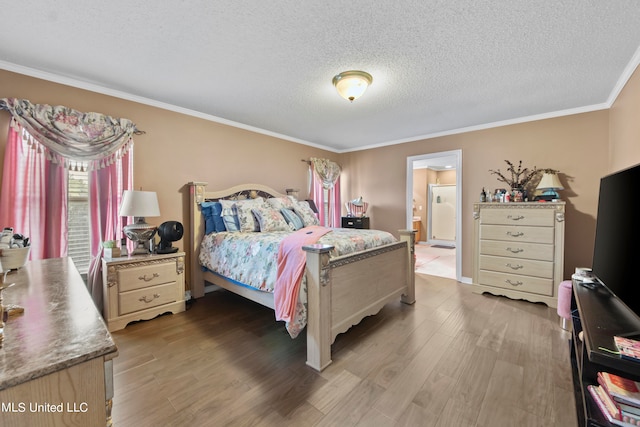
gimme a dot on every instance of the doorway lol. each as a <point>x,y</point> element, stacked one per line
<point>432,165</point>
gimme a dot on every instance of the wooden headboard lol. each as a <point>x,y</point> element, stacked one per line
<point>198,195</point>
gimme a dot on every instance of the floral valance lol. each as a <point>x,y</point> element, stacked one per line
<point>327,170</point>
<point>66,135</point>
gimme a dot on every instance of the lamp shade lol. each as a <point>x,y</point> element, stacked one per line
<point>139,204</point>
<point>352,84</point>
<point>549,181</point>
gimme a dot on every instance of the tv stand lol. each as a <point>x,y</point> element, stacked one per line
<point>599,316</point>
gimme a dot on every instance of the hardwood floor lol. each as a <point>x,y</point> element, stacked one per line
<point>453,359</point>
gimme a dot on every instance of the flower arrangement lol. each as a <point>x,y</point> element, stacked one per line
<point>519,177</point>
<point>109,244</point>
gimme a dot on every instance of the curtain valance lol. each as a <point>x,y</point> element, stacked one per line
<point>64,134</point>
<point>327,170</point>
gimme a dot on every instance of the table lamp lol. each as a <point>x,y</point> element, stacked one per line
<point>549,184</point>
<point>139,204</point>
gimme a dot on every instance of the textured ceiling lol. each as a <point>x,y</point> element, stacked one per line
<point>437,66</point>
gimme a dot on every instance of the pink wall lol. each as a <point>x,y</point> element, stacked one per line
<point>575,145</point>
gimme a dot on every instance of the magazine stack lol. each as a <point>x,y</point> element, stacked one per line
<point>618,399</point>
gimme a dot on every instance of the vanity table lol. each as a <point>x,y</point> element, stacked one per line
<point>56,364</point>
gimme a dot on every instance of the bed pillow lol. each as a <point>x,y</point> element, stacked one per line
<point>270,219</point>
<point>212,212</point>
<point>246,219</point>
<point>304,211</point>
<point>292,218</point>
<point>280,202</point>
<point>207,212</point>
<point>230,215</point>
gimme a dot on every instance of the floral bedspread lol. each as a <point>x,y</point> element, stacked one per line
<point>251,258</point>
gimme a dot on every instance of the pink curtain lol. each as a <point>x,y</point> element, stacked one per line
<point>331,218</point>
<point>106,186</point>
<point>34,197</point>
<point>318,196</point>
<point>335,206</point>
<point>34,189</point>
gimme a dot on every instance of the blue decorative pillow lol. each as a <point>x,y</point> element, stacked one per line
<point>217,217</point>
<point>212,212</point>
<point>294,221</point>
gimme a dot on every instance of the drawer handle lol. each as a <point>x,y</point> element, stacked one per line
<point>148,300</point>
<point>148,279</point>
<point>514,267</point>
<point>518,283</point>
<point>516,250</point>
<point>515,233</point>
<point>515,218</point>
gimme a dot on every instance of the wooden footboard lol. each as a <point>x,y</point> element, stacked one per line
<point>340,291</point>
<point>344,290</point>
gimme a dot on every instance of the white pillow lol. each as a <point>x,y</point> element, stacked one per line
<point>280,202</point>
<point>245,216</point>
<point>270,219</point>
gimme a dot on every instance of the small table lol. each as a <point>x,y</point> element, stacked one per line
<point>142,287</point>
<point>355,222</point>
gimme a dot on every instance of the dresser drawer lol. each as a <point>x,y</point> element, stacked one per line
<point>535,251</point>
<point>517,233</point>
<point>146,275</point>
<point>141,299</point>
<point>537,217</point>
<point>525,267</point>
<point>528,284</point>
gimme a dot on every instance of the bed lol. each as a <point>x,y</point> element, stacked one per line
<point>341,289</point>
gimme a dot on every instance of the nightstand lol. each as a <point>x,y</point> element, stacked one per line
<point>142,287</point>
<point>355,222</point>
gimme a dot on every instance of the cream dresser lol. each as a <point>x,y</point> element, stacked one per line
<point>142,287</point>
<point>56,366</point>
<point>519,250</point>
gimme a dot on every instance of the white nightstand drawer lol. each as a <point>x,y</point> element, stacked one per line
<point>141,299</point>
<point>516,233</point>
<point>146,275</point>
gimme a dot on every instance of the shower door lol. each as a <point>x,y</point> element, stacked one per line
<point>441,223</point>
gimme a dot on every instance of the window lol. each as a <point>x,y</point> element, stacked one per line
<point>325,207</point>
<point>78,220</point>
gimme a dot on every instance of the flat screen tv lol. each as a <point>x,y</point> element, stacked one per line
<point>616,253</point>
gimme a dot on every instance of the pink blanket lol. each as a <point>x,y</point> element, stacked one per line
<point>292,261</point>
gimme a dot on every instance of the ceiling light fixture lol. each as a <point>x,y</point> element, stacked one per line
<point>352,84</point>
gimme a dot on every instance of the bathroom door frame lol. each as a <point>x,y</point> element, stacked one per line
<point>409,200</point>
